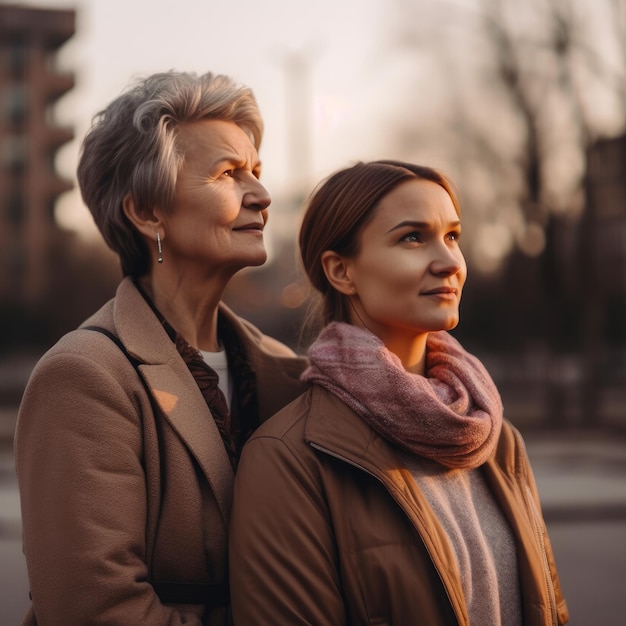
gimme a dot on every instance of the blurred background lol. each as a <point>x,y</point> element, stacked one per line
<point>523,104</point>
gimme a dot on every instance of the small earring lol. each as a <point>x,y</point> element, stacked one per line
<point>160,250</point>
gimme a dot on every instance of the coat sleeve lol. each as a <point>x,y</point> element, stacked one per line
<point>283,562</point>
<point>78,451</point>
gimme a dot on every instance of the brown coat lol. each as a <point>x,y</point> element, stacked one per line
<point>329,528</point>
<point>114,492</point>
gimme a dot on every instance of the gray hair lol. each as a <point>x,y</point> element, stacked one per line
<point>131,149</point>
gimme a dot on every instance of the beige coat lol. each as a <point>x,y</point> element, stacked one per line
<point>116,492</point>
<point>329,528</point>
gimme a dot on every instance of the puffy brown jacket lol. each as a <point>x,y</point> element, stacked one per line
<point>328,528</point>
<point>120,488</point>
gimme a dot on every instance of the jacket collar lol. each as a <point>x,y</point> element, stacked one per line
<point>173,388</point>
<point>332,426</point>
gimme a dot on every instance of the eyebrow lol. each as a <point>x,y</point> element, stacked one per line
<point>236,161</point>
<point>231,158</point>
<point>420,225</point>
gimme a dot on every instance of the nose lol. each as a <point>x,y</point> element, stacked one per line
<point>256,196</point>
<point>448,261</point>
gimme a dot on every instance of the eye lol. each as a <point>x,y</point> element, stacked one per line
<point>229,173</point>
<point>413,237</point>
<point>454,235</point>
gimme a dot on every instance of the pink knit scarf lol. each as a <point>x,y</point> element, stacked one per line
<point>452,415</point>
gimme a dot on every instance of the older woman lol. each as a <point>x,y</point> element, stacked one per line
<point>131,426</point>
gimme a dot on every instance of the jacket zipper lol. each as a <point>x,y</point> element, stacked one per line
<point>536,524</point>
<point>382,482</point>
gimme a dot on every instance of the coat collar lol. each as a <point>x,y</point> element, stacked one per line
<point>173,388</point>
<point>276,368</point>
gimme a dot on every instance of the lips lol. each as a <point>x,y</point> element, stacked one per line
<point>438,291</point>
<point>251,226</point>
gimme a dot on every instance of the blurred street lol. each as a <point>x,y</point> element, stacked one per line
<point>582,480</point>
<point>13,580</point>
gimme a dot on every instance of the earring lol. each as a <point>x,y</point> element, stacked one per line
<point>160,250</point>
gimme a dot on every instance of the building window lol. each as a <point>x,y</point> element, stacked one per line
<point>51,209</point>
<point>15,205</point>
<point>14,154</point>
<point>15,104</point>
<point>17,57</point>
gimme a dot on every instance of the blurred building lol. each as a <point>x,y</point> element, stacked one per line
<point>603,237</point>
<point>29,140</point>
<point>603,256</point>
<point>606,211</point>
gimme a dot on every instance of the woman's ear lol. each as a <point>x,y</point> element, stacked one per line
<point>147,222</point>
<point>337,272</point>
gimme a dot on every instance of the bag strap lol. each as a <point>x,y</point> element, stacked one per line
<point>212,595</point>
<point>116,340</point>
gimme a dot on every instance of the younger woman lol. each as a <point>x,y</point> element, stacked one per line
<point>393,491</point>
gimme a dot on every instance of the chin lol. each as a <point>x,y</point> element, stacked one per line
<point>255,261</point>
<point>260,260</point>
<point>450,323</point>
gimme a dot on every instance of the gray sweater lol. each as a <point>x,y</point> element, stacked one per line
<point>480,537</point>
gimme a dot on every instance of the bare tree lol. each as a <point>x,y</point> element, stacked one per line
<point>518,79</point>
<point>530,86</point>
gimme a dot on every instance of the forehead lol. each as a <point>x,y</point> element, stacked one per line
<point>417,200</point>
<point>217,137</point>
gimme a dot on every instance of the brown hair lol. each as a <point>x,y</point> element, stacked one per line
<point>131,149</point>
<point>337,212</point>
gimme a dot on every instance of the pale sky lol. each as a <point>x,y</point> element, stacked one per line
<point>352,85</point>
<point>363,87</point>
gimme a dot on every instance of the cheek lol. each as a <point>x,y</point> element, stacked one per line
<point>463,271</point>
<point>228,215</point>
<point>385,288</point>
<point>394,274</point>
<point>217,209</point>
<point>219,212</point>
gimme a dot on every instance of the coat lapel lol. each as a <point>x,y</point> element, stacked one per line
<point>174,389</point>
<point>184,408</point>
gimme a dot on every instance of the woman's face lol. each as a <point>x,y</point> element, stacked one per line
<point>220,207</point>
<point>409,271</point>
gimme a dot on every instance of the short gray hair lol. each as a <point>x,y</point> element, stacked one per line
<point>131,149</point>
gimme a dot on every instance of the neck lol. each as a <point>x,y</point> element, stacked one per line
<point>191,310</point>
<point>409,347</point>
<point>411,352</point>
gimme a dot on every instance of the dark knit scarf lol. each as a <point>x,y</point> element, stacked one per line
<point>452,415</point>
<point>235,426</point>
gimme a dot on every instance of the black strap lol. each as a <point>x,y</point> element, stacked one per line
<point>116,340</point>
<point>211,595</point>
